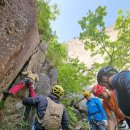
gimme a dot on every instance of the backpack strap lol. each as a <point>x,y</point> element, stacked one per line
<point>36,115</point>
<point>50,103</point>
<point>38,119</point>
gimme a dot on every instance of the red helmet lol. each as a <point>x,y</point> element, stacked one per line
<point>98,90</point>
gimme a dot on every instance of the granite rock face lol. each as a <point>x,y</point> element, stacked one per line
<point>20,50</point>
<point>40,64</point>
<point>14,115</point>
<point>18,37</point>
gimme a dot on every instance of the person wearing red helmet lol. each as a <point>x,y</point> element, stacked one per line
<point>110,105</point>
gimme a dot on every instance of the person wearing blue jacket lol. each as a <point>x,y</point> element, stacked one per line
<point>95,112</point>
<point>120,82</point>
<point>41,102</point>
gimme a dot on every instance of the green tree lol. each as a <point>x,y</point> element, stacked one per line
<point>45,14</point>
<point>57,52</point>
<point>115,53</point>
<point>71,76</point>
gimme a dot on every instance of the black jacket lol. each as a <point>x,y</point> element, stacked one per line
<point>40,102</point>
<point>121,83</point>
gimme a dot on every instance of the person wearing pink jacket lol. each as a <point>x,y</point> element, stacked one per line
<point>28,81</point>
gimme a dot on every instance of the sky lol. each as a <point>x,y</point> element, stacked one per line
<point>66,24</point>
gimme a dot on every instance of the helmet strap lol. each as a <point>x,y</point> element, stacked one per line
<point>109,85</point>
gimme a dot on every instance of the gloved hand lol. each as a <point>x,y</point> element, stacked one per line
<point>121,124</point>
<point>105,123</point>
<point>28,82</point>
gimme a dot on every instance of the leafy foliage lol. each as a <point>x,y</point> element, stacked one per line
<point>2,105</point>
<point>45,14</point>
<point>70,72</point>
<point>57,52</point>
<point>24,124</point>
<point>94,34</point>
<point>70,75</point>
<point>73,118</point>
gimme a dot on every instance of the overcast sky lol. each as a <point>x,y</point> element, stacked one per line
<point>71,11</point>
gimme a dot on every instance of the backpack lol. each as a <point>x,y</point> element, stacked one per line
<point>53,116</point>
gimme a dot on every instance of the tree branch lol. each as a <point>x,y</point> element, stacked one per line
<point>127,48</point>
<point>111,57</point>
<point>102,41</point>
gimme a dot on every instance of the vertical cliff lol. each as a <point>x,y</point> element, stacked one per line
<point>18,37</point>
<point>20,50</point>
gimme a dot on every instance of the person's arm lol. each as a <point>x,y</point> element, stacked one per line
<point>32,101</point>
<point>65,120</point>
<point>32,91</point>
<point>100,107</point>
<point>111,122</point>
<point>126,117</point>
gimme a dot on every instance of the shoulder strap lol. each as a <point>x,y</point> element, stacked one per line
<point>52,105</point>
<point>51,101</point>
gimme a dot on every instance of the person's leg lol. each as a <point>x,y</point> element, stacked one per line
<point>16,88</point>
<point>94,127</point>
<point>102,127</point>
